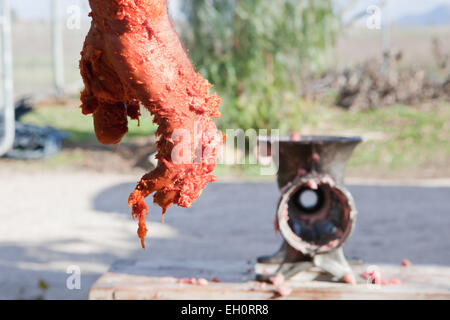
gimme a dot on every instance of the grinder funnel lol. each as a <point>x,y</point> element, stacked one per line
<point>321,154</point>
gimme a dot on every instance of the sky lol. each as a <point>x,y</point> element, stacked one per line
<point>396,9</point>
<point>32,9</point>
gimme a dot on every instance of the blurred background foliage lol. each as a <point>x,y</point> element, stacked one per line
<point>256,53</point>
<point>277,64</point>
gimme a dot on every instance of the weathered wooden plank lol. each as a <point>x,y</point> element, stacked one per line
<point>153,280</point>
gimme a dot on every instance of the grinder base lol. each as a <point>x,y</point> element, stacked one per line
<point>332,264</point>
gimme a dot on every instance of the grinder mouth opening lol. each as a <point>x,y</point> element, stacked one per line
<point>309,201</point>
<point>315,215</point>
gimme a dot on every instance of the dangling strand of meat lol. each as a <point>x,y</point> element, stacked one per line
<point>132,56</point>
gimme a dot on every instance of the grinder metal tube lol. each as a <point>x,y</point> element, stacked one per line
<point>315,215</point>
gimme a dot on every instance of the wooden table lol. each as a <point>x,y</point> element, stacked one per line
<point>158,280</point>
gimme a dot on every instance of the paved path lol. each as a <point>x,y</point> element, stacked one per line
<point>49,221</point>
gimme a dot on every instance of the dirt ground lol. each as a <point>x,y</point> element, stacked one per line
<point>52,220</point>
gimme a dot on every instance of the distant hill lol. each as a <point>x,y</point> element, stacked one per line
<point>438,16</point>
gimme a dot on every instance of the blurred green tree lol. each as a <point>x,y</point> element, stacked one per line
<point>255,52</point>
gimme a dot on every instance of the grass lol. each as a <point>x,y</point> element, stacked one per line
<point>396,139</point>
<point>80,127</point>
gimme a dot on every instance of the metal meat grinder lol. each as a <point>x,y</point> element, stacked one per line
<point>316,213</point>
